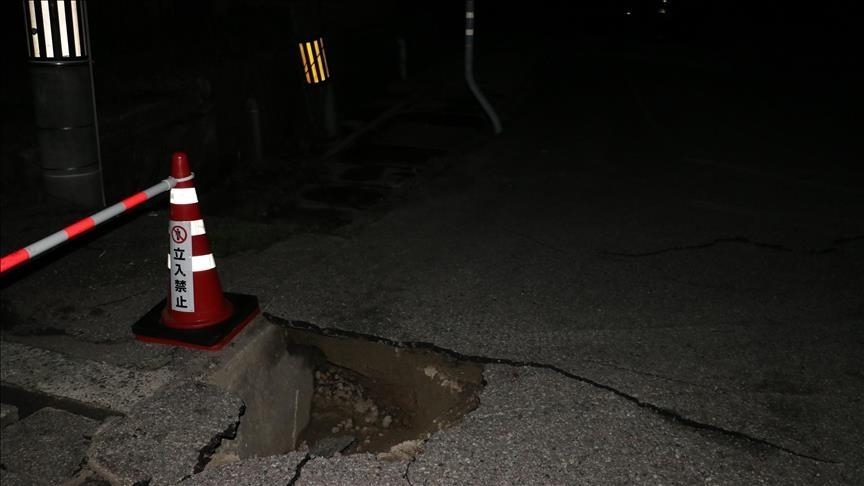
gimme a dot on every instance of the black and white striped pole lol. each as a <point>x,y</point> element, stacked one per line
<point>469,68</point>
<point>61,76</point>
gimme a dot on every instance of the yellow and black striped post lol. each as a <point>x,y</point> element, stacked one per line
<point>315,69</point>
<point>58,51</point>
<point>314,60</point>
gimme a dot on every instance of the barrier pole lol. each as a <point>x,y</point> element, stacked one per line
<point>18,257</point>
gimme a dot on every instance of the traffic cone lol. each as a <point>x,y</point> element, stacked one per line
<point>197,314</point>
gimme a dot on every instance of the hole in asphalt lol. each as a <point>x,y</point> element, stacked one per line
<point>373,396</point>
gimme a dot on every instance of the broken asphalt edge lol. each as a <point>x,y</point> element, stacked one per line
<point>665,413</point>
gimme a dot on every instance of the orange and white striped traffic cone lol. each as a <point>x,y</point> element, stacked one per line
<point>197,313</point>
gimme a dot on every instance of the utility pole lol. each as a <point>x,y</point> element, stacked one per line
<point>61,76</point>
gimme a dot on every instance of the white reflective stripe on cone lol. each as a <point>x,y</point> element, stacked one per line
<point>203,262</point>
<point>197,227</point>
<point>199,263</point>
<point>184,195</point>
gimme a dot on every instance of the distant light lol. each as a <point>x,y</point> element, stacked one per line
<point>662,11</point>
<point>627,13</point>
<point>314,61</point>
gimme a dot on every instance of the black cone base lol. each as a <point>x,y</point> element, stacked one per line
<point>212,338</point>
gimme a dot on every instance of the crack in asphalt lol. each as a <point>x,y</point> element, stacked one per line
<point>665,413</point>
<point>715,242</point>
<point>81,465</point>
<point>205,454</point>
<point>406,476</point>
<point>122,299</point>
<point>651,374</point>
<point>836,244</point>
<point>298,469</point>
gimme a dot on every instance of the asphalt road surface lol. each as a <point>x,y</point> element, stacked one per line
<point>660,262</point>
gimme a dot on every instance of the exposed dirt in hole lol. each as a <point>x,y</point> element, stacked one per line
<point>346,411</point>
<point>383,398</point>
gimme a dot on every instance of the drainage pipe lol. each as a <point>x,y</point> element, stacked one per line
<point>469,68</point>
<point>18,257</point>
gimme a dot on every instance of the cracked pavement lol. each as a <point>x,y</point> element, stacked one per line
<point>649,308</point>
<point>708,359</point>
<point>545,405</point>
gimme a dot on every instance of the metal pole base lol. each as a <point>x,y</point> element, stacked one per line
<point>82,188</point>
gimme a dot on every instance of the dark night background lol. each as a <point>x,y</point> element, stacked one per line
<point>172,73</point>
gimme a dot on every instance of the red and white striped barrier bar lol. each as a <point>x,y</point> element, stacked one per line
<point>18,257</point>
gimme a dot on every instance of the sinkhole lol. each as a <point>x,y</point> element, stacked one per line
<point>280,386</point>
<point>377,396</point>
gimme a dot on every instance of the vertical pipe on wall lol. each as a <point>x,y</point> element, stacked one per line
<point>469,68</point>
